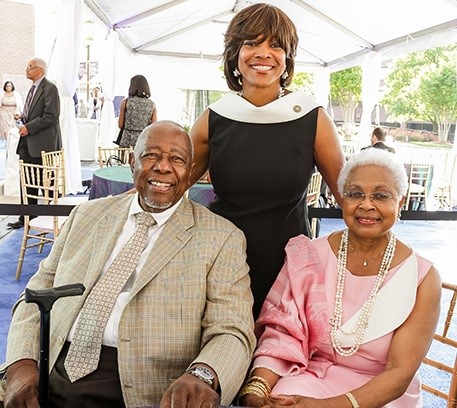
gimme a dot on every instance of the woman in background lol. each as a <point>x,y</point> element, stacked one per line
<point>96,103</point>
<point>10,105</point>
<point>261,143</point>
<point>137,111</point>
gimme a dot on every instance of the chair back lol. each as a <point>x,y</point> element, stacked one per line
<point>109,156</point>
<point>38,182</point>
<point>56,159</point>
<point>312,198</point>
<point>419,184</point>
<point>314,190</point>
<point>445,182</point>
<point>445,360</point>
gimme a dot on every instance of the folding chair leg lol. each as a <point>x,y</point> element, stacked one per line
<point>21,255</point>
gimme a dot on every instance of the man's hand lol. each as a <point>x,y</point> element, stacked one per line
<point>23,131</point>
<point>189,392</point>
<point>22,385</point>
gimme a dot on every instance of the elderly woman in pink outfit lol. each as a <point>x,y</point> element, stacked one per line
<point>351,315</point>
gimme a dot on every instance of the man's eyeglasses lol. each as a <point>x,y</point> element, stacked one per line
<point>29,67</point>
<point>378,197</point>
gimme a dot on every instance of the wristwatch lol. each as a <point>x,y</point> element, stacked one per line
<point>203,374</point>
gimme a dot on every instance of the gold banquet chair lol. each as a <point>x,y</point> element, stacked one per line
<point>57,159</point>
<point>418,185</point>
<point>436,361</point>
<point>39,182</point>
<point>312,198</point>
<point>108,156</point>
<point>445,183</point>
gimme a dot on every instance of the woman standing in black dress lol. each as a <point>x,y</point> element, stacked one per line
<point>261,142</point>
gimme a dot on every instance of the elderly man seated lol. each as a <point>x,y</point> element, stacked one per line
<point>166,316</point>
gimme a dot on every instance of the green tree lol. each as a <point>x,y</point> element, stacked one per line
<point>438,94</point>
<point>346,90</point>
<point>302,80</point>
<point>423,86</point>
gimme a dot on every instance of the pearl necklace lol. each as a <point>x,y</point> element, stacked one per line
<point>365,260</point>
<point>362,322</point>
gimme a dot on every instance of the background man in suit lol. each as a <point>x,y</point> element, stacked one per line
<point>187,306</point>
<point>378,137</point>
<point>40,118</point>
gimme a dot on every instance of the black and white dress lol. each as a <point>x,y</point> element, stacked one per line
<point>260,164</point>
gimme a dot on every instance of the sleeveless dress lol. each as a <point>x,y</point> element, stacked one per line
<point>260,164</point>
<point>294,325</point>
<point>8,107</point>
<point>137,116</point>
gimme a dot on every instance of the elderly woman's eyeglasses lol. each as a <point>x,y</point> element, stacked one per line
<point>378,197</point>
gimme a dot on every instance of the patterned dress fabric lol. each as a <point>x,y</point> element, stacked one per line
<point>137,116</point>
<point>7,110</point>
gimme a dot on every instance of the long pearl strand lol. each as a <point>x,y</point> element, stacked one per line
<point>362,322</point>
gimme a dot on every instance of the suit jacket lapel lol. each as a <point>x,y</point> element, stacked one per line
<point>173,238</point>
<point>36,95</point>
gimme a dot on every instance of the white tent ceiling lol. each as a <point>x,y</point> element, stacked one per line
<point>332,33</point>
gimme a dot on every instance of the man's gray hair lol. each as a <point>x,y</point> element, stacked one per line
<point>142,139</point>
<point>40,63</point>
<point>376,157</point>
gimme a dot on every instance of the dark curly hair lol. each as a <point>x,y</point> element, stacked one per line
<point>139,87</point>
<point>262,20</point>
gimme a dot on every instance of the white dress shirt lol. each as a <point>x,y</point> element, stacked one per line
<point>111,329</point>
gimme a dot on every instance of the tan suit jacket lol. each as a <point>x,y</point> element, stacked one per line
<point>190,303</point>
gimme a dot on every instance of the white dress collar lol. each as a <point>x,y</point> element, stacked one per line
<point>290,107</point>
<point>392,306</point>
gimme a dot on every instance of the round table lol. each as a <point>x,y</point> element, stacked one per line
<point>115,180</point>
<point>202,193</point>
<point>108,181</point>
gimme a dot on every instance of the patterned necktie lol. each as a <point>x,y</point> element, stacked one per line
<point>27,104</point>
<point>84,352</point>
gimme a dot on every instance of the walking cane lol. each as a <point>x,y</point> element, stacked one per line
<point>45,299</point>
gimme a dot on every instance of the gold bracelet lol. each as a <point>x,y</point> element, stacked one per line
<point>248,389</point>
<point>257,379</point>
<point>351,398</point>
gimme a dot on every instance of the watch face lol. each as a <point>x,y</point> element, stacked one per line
<point>203,374</point>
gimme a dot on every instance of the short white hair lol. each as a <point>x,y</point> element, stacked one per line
<point>40,63</point>
<point>380,158</point>
<point>142,139</point>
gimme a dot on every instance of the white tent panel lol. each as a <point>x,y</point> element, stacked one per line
<point>330,31</point>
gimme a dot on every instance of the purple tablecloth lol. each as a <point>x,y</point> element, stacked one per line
<point>202,193</point>
<point>118,179</point>
<point>110,181</point>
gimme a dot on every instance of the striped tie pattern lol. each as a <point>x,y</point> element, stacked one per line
<point>28,102</point>
<point>84,352</point>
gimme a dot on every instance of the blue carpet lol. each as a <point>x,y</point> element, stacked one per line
<point>10,288</point>
<point>435,240</point>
